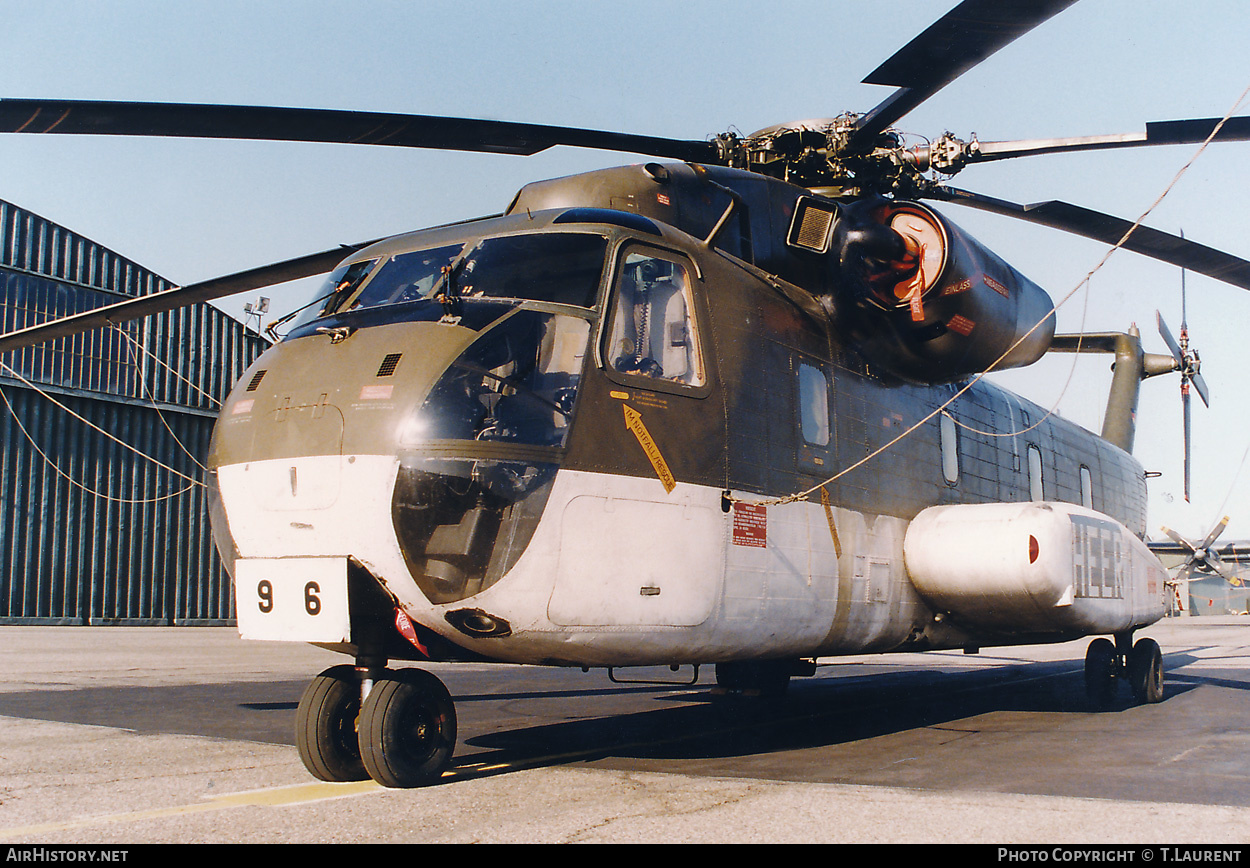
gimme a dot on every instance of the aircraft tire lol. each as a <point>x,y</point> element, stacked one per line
<point>407,729</point>
<point>325,727</point>
<point>1145,671</point>
<point>1100,666</point>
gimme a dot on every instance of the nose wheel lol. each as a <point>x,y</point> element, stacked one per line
<point>403,733</point>
<point>325,729</point>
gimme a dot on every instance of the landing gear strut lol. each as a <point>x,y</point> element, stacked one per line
<point>402,734</point>
<point>1107,663</point>
<point>765,678</point>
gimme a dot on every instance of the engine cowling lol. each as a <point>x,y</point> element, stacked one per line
<point>928,302</point>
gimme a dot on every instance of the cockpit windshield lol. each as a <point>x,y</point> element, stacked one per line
<point>340,286</point>
<point>560,267</point>
<point>406,277</point>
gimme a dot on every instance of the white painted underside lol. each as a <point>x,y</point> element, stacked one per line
<point>618,571</point>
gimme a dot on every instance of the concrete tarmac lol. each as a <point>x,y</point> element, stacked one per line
<point>183,735</point>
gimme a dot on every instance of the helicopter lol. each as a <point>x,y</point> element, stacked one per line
<point>724,407</point>
<point>1204,561</point>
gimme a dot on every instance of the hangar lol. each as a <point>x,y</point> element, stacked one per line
<point>103,499</point>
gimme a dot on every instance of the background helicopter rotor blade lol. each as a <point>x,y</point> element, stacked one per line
<point>159,302</point>
<point>1177,538</point>
<point>951,46</point>
<point>1193,131</point>
<point>1110,230</point>
<point>1215,532</point>
<point>82,117</point>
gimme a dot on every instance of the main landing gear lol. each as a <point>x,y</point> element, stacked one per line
<point>401,734</point>
<point>1107,663</point>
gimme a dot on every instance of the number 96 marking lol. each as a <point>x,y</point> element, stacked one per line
<point>297,599</point>
<point>312,603</point>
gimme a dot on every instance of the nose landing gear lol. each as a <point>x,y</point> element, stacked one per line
<point>402,734</point>
<point>1107,663</point>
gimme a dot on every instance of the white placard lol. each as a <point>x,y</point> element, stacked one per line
<point>292,599</point>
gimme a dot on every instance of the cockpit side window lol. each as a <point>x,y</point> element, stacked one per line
<point>337,289</point>
<point>651,331</point>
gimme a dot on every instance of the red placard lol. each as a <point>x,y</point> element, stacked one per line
<point>750,525</point>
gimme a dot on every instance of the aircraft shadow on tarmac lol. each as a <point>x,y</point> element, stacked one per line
<point>696,726</point>
<point>545,723</point>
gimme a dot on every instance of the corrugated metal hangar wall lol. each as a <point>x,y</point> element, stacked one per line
<point>103,510</point>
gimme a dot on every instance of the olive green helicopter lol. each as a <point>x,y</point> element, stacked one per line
<point>724,407</point>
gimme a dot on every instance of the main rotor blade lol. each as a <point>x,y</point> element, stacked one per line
<point>79,117</point>
<point>1157,133</point>
<point>1110,230</point>
<point>951,46</point>
<point>159,302</point>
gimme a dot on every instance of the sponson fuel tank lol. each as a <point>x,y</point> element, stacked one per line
<point>1019,567</point>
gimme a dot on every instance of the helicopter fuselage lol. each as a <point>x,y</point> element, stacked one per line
<point>574,434</point>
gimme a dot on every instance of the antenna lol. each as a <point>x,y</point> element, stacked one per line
<point>255,310</point>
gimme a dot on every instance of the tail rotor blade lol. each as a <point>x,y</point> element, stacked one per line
<point>1201,386</point>
<point>1166,334</point>
<point>1185,414</point>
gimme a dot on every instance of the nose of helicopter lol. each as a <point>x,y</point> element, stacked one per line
<point>306,446</point>
<point>327,395</point>
<point>410,448</point>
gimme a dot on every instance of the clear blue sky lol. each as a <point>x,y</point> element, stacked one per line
<point>192,210</point>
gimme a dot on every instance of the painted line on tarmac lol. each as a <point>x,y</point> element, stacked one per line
<point>272,797</point>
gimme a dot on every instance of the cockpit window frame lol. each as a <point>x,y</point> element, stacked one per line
<point>624,247</point>
<point>472,243</point>
<point>350,306</point>
<point>353,303</point>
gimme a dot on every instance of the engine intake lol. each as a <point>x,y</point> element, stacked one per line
<point>928,302</point>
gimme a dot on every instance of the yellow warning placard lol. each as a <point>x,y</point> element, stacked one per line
<point>633,421</point>
<point>833,529</point>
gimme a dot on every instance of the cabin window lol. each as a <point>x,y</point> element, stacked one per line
<point>814,405</point>
<point>950,449</point>
<point>1035,473</point>
<point>1087,488</point>
<point>651,332</point>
